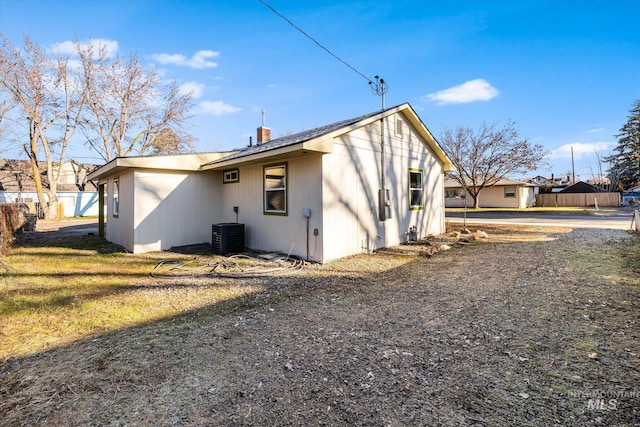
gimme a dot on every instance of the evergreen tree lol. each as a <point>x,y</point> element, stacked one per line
<point>625,161</point>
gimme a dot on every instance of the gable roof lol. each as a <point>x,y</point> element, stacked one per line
<point>581,187</point>
<point>320,140</point>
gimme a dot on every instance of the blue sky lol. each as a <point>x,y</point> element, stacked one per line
<point>567,72</point>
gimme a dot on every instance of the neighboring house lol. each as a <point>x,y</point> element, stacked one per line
<point>550,185</point>
<point>78,195</point>
<point>582,187</point>
<point>580,194</point>
<point>506,193</point>
<point>314,194</point>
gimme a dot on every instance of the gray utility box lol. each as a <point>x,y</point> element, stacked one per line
<point>227,238</point>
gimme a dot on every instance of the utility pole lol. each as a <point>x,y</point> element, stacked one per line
<point>573,169</point>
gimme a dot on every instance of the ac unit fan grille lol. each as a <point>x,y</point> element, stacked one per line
<point>227,238</point>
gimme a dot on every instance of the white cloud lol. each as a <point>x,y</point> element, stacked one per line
<point>470,91</point>
<point>595,130</point>
<point>272,86</point>
<point>580,150</point>
<point>199,60</point>
<point>194,88</point>
<point>217,108</point>
<point>69,48</point>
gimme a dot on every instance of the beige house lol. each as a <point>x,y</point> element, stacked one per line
<point>342,189</point>
<point>506,193</point>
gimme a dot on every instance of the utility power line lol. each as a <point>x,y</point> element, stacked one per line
<point>315,41</point>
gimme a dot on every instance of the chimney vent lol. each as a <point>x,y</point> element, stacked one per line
<point>264,135</point>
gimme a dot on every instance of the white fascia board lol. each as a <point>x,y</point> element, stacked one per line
<point>176,162</point>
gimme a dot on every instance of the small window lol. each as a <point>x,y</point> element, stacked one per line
<point>415,189</point>
<point>115,197</point>
<point>509,192</point>
<point>399,128</point>
<point>232,175</point>
<point>456,193</point>
<point>275,189</point>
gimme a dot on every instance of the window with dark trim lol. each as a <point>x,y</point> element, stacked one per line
<point>509,192</point>
<point>229,176</point>
<point>275,189</point>
<point>415,189</point>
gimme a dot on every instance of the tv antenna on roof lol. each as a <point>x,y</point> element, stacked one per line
<point>379,88</point>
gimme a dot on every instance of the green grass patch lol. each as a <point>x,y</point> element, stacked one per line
<point>51,296</point>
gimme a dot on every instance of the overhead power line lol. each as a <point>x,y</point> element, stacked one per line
<point>315,41</point>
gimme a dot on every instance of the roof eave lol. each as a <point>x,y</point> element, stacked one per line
<point>172,162</point>
<point>321,145</point>
<point>416,122</point>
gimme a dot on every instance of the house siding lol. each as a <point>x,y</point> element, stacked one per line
<point>351,184</point>
<point>283,233</point>
<point>493,197</point>
<point>76,203</point>
<point>174,209</point>
<point>120,228</point>
<point>336,175</point>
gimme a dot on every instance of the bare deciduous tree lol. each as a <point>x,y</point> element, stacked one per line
<point>50,101</point>
<point>21,75</point>
<point>608,182</point>
<point>129,110</point>
<point>484,157</point>
<point>121,108</point>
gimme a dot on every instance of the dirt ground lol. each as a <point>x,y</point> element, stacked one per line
<point>528,327</point>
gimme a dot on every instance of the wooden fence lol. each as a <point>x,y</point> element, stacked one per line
<point>578,199</point>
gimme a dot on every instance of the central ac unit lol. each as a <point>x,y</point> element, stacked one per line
<point>227,238</point>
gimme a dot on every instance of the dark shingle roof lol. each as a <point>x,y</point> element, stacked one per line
<point>581,187</point>
<point>296,138</point>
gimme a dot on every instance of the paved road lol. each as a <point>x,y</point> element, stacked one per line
<point>75,226</point>
<point>619,221</point>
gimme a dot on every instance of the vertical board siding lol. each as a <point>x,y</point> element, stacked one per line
<point>282,233</point>
<point>351,195</point>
